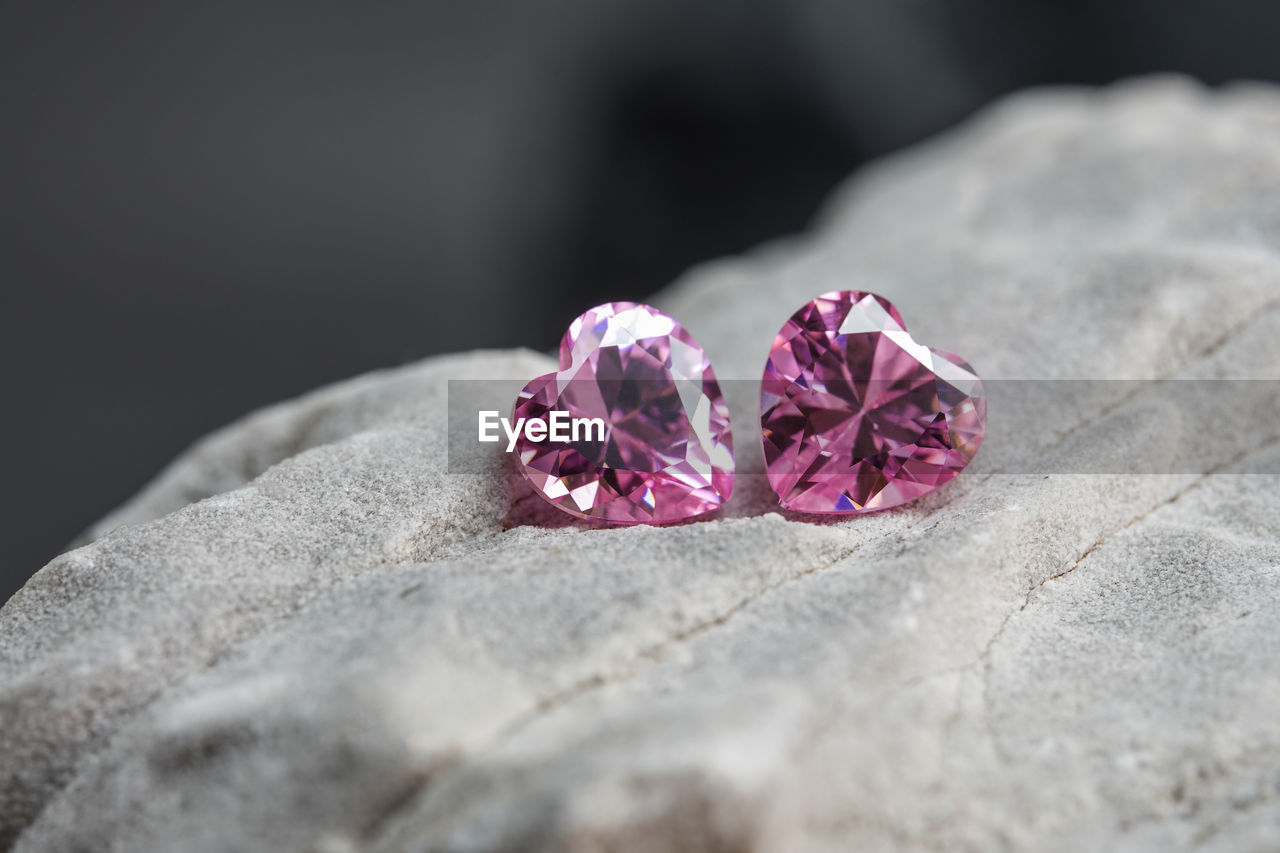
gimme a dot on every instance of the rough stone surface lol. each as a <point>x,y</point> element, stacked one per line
<point>306,634</point>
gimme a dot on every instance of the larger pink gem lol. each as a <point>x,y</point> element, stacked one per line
<point>666,453</point>
<point>856,416</point>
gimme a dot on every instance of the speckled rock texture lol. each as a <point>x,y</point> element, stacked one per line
<point>307,634</point>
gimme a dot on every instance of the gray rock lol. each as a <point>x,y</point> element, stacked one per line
<point>308,634</point>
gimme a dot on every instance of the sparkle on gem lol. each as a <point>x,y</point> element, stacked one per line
<point>856,416</point>
<point>667,452</point>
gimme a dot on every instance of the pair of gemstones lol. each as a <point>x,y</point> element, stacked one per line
<point>855,416</point>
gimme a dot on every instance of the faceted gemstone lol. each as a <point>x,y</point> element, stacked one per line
<point>667,452</point>
<point>856,416</point>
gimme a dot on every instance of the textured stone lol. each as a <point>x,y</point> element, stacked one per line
<point>306,634</point>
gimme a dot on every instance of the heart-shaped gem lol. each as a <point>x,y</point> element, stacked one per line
<point>856,416</point>
<point>663,452</point>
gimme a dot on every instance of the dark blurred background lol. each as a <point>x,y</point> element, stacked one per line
<point>209,207</point>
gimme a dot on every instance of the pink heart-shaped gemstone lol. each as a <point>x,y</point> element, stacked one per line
<point>666,453</point>
<point>856,416</point>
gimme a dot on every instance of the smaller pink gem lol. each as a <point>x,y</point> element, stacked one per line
<point>856,416</point>
<point>667,452</point>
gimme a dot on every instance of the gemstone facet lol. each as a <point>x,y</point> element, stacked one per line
<point>856,416</point>
<point>667,453</point>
